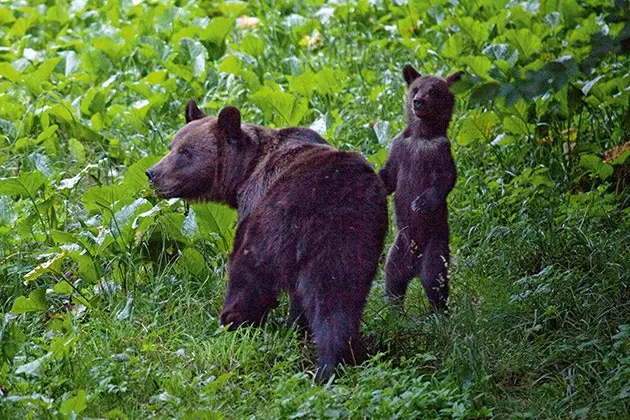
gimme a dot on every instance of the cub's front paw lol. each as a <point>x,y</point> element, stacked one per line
<point>423,204</point>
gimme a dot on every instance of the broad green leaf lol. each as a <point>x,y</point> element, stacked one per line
<point>477,126</point>
<point>217,30</point>
<point>479,65</point>
<point>6,16</point>
<point>191,261</point>
<point>99,198</point>
<point>252,45</point>
<point>329,81</point>
<point>514,125</point>
<point>213,219</point>
<point>190,227</point>
<point>232,7</point>
<point>26,185</point>
<point>77,151</point>
<point>180,71</point>
<point>124,215</point>
<point>47,133</point>
<point>57,14</point>
<point>135,178</point>
<point>36,302</point>
<point>74,405</point>
<point>283,109</point>
<point>63,288</point>
<point>63,111</point>
<point>195,54</point>
<point>44,71</point>
<point>454,46</point>
<point>52,265</point>
<point>304,84</point>
<point>525,41</point>
<point>71,62</point>
<point>379,158</point>
<point>94,101</point>
<point>33,368</point>
<point>10,73</point>
<point>190,32</point>
<point>476,30</point>
<point>86,268</point>
<point>484,92</point>
<point>595,166</point>
<point>231,64</point>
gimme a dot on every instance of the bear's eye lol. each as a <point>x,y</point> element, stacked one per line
<point>184,152</point>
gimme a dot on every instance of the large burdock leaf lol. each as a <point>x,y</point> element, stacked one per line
<point>135,177</point>
<point>253,45</point>
<point>25,185</point>
<point>329,81</point>
<point>52,265</point>
<point>217,30</point>
<point>33,368</point>
<point>215,219</point>
<point>74,405</point>
<point>282,108</point>
<point>477,126</point>
<point>194,53</point>
<point>594,165</point>
<point>105,197</point>
<point>9,72</point>
<point>525,41</point>
<point>36,302</point>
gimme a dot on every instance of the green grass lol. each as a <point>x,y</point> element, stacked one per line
<point>123,323</point>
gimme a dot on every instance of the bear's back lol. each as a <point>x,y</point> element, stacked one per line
<point>320,178</point>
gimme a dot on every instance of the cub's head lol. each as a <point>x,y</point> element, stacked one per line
<point>201,157</point>
<point>429,97</point>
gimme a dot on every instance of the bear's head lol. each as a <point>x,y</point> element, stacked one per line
<point>207,158</point>
<point>429,97</point>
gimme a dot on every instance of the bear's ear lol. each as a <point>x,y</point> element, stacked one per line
<point>193,112</point>
<point>454,77</point>
<point>410,74</point>
<point>230,123</point>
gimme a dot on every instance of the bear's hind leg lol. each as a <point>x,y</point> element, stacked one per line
<point>336,335</point>
<point>250,292</point>
<point>297,317</point>
<point>434,274</point>
<point>333,303</point>
<point>400,268</point>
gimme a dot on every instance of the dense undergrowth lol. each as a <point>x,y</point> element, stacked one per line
<point>110,296</point>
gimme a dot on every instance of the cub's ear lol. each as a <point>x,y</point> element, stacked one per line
<point>454,77</point>
<point>193,112</point>
<point>410,74</point>
<point>230,123</point>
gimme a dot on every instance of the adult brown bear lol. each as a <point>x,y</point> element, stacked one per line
<point>420,168</point>
<point>311,221</point>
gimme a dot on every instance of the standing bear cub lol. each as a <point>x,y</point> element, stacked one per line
<point>420,168</point>
<point>311,221</point>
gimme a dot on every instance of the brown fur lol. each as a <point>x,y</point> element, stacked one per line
<point>311,221</point>
<point>420,168</point>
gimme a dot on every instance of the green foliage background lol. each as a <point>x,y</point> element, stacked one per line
<point>109,296</point>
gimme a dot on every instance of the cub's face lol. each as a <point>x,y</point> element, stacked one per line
<point>188,170</point>
<point>429,97</point>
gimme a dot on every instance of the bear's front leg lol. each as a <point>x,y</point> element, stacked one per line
<point>250,292</point>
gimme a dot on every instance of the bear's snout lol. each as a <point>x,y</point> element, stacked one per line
<point>150,174</point>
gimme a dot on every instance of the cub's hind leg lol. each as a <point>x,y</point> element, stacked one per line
<point>433,273</point>
<point>400,268</point>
